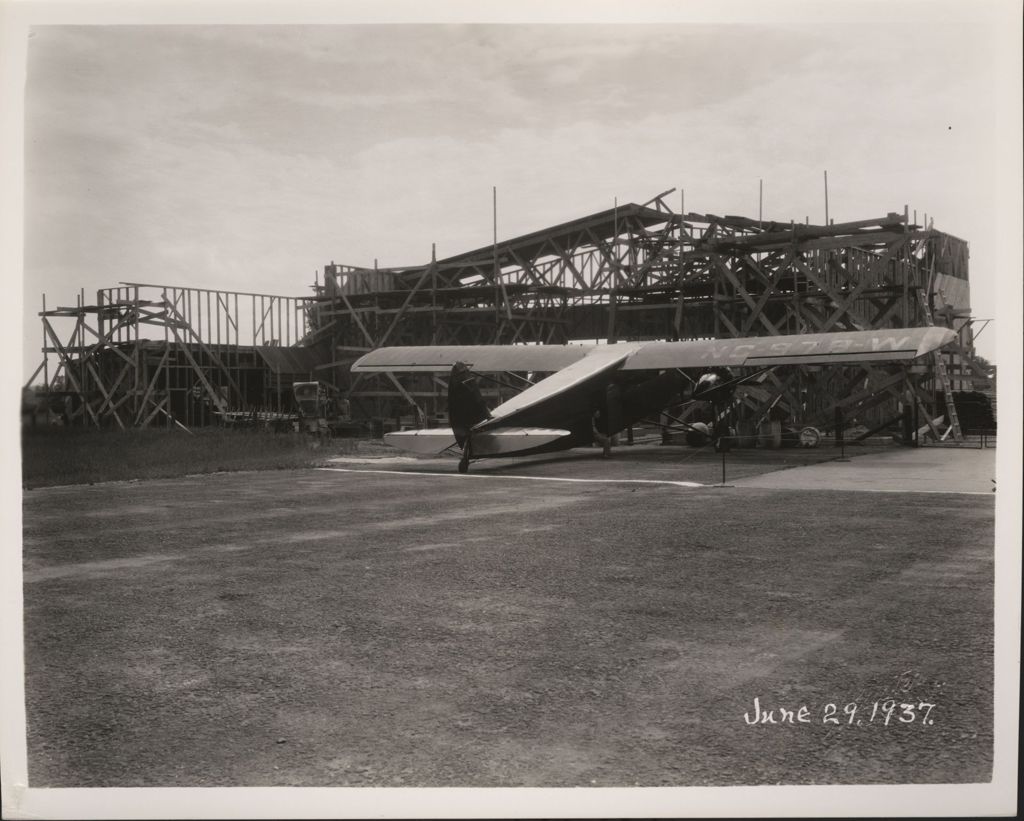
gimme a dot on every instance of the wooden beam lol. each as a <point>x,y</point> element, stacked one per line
<point>152,385</point>
<point>213,357</point>
<point>737,285</point>
<point>405,305</point>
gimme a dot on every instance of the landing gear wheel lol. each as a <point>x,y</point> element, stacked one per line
<point>810,437</point>
<point>463,465</point>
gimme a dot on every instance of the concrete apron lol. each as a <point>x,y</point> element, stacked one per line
<point>906,470</point>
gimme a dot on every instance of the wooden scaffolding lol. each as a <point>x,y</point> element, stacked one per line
<point>145,354</point>
<point>644,272</point>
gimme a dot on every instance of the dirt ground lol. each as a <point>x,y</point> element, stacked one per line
<point>355,628</point>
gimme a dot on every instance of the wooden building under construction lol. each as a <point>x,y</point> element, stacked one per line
<point>144,354</point>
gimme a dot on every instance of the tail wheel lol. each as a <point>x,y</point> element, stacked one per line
<point>463,465</point>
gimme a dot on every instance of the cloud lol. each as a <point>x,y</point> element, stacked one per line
<point>247,157</point>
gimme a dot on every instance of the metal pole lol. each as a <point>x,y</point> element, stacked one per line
<point>80,339</point>
<point>840,424</point>
<point>826,197</point>
<point>615,232</point>
<point>494,252</point>
<point>760,202</point>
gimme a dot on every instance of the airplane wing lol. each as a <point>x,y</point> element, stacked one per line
<point>563,390</point>
<point>480,358</point>
<point>897,344</point>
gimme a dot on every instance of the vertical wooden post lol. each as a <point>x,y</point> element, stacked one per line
<point>826,197</point>
<point>613,291</point>
<point>46,356</point>
<point>796,284</point>
<point>677,323</point>
<point>238,355</point>
<point>99,313</point>
<point>167,365</point>
<point>433,301</point>
<point>79,340</point>
<point>140,360</point>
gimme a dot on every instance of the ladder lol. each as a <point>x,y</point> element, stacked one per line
<point>943,374</point>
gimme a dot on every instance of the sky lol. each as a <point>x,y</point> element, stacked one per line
<point>248,157</point>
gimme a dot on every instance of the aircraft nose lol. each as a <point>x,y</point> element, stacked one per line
<point>706,385</point>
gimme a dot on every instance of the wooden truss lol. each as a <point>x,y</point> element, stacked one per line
<point>644,272</point>
<point>146,353</point>
<point>151,353</point>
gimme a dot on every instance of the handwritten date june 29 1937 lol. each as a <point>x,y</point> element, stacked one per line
<point>889,712</point>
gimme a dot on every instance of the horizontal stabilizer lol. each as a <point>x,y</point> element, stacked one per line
<point>429,441</point>
<point>513,440</point>
<point>432,441</point>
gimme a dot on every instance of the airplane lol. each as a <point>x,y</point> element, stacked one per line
<point>597,390</point>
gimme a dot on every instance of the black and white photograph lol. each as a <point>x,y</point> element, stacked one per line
<point>550,410</point>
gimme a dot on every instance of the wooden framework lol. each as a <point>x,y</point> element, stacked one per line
<point>151,353</point>
<point>643,272</point>
<point>145,353</point>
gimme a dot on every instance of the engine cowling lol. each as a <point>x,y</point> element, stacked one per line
<point>716,386</point>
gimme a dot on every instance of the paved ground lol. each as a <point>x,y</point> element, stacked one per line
<point>507,628</point>
<point>922,470</point>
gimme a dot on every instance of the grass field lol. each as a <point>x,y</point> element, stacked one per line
<point>316,628</point>
<point>69,456</point>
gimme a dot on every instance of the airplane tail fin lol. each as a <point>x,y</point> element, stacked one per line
<point>466,407</point>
